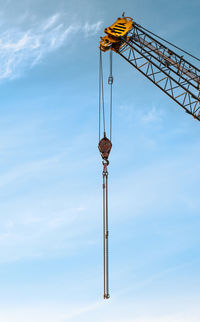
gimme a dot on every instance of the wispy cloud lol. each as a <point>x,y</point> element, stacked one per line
<point>91,29</point>
<point>59,313</point>
<point>21,49</point>
<point>99,311</point>
<point>160,318</point>
<point>152,116</point>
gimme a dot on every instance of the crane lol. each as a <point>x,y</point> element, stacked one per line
<point>169,71</point>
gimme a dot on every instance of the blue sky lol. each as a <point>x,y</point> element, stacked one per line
<point>50,170</point>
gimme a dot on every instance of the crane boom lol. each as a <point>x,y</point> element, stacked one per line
<point>173,74</point>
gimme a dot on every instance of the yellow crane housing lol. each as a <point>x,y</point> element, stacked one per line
<point>113,39</point>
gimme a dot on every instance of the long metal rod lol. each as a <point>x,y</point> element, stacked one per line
<point>107,266</point>
<point>104,237</point>
<point>105,232</point>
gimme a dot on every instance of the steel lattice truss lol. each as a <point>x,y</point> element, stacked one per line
<point>170,72</point>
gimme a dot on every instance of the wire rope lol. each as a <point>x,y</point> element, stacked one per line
<point>110,82</point>
<point>101,95</point>
<point>168,42</point>
<point>104,147</point>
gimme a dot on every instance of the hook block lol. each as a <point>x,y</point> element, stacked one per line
<point>105,146</point>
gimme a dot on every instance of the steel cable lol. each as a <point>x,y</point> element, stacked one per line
<point>105,147</point>
<point>101,94</point>
<point>99,97</point>
<point>110,82</point>
<point>168,42</point>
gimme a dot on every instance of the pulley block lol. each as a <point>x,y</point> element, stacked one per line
<point>105,146</point>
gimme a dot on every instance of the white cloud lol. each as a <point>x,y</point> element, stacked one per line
<point>108,311</point>
<point>21,49</point>
<point>55,314</point>
<point>163,318</point>
<point>92,29</point>
<point>50,22</point>
<point>27,169</point>
<point>153,116</point>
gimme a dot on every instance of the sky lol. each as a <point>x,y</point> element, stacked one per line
<point>51,173</point>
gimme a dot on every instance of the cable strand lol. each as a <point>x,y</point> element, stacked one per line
<point>168,42</point>
<point>102,92</point>
<point>99,95</point>
<point>110,81</point>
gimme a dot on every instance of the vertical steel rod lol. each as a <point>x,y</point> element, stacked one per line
<point>104,250</point>
<point>105,233</point>
<point>107,266</point>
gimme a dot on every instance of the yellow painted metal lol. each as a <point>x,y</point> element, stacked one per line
<point>113,39</point>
